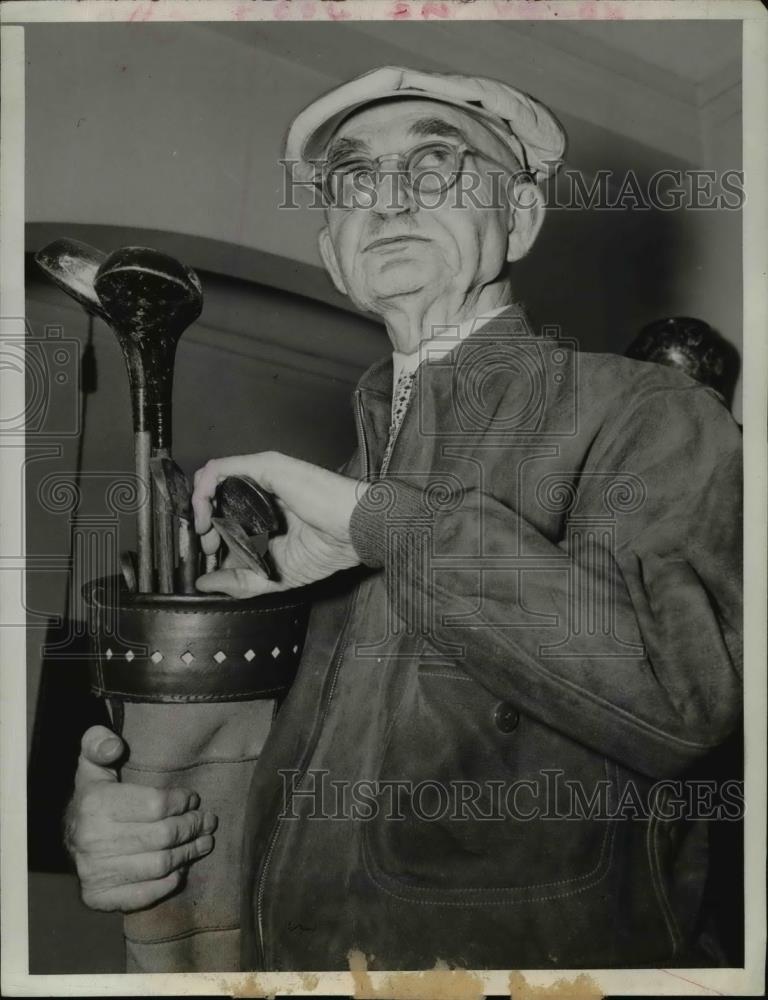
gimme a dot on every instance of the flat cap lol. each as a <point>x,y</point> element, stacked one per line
<point>525,125</point>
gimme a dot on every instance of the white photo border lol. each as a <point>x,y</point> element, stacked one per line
<point>16,980</point>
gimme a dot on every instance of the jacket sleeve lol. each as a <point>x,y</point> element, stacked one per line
<point>662,685</point>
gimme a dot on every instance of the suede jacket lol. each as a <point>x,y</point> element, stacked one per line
<point>482,759</point>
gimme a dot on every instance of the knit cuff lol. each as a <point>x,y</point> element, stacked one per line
<point>385,503</point>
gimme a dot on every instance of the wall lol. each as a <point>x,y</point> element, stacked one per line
<point>179,128</point>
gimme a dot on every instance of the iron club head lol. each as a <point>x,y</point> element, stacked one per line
<point>173,486</point>
<point>129,569</point>
<point>245,516</point>
<point>242,499</point>
<point>174,496</point>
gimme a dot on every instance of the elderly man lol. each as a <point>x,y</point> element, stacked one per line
<point>535,615</point>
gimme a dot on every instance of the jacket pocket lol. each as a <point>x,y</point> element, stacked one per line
<point>481,804</point>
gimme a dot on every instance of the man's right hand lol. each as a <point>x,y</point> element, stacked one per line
<point>131,844</point>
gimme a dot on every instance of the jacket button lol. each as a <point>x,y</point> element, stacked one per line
<point>506,717</point>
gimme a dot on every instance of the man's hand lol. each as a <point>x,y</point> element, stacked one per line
<point>131,844</point>
<point>316,504</point>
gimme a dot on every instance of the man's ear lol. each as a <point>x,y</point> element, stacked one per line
<point>526,216</point>
<point>330,260</point>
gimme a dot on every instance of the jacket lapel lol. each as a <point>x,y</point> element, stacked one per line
<point>435,382</point>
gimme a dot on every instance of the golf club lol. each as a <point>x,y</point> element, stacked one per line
<point>171,487</point>
<point>128,569</point>
<point>245,516</point>
<point>149,299</point>
<point>72,265</point>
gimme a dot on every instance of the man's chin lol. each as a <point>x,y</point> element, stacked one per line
<point>389,286</point>
<point>398,293</point>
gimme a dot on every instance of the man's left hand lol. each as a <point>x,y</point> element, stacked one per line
<point>316,504</point>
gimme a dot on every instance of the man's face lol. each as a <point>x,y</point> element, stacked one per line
<point>408,246</point>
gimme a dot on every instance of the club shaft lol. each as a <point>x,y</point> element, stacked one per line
<point>128,569</point>
<point>188,557</point>
<point>165,560</point>
<point>163,520</point>
<point>143,448</point>
<point>149,300</point>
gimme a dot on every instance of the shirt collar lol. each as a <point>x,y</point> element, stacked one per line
<point>442,342</point>
<point>377,380</point>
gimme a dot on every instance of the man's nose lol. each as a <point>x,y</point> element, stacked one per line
<point>393,195</point>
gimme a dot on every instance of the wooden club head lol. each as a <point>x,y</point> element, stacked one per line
<point>72,266</point>
<point>148,294</point>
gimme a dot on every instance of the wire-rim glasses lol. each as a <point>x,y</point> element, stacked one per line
<point>431,168</point>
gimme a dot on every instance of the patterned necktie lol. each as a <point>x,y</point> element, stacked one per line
<point>399,405</point>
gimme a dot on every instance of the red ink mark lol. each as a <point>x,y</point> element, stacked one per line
<point>141,14</point>
<point>594,11</point>
<point>282,10</point>
<point>308,12</point>
<point>694,983</point>
<point>434,10</point>
<point>337,13</point>
<point>401,10</point>
<point>589,11</point>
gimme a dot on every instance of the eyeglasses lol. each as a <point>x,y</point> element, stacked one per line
<point>427,169</point>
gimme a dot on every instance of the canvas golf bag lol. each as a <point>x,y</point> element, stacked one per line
<point>192,684</point>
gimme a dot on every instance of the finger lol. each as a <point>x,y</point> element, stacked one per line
<point>322,498</point>
<point>111,839</point>
<point>238,560</point>
<point>133,897</point>
<point>206,480</point>
<point>100,750</point>
<point>203,491</point>
<point>211,474</point>
<point>124,869</point>
<point>101,746</point>
<point>129,803</point>
<point>173,831</point>
<point>210,541</point>
<point>239,583</point>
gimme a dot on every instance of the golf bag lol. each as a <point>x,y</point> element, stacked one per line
<point>192,683</point>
